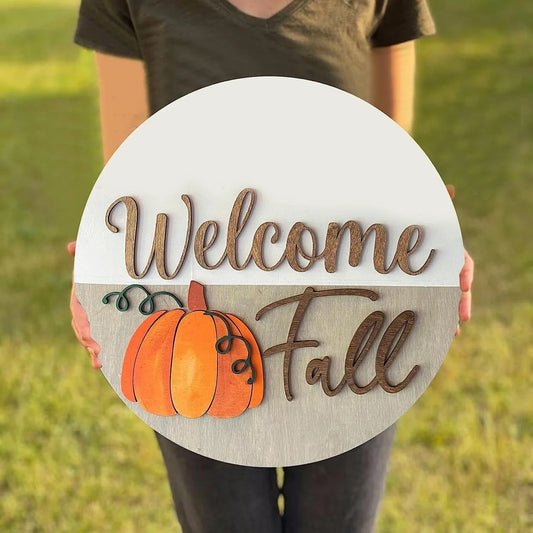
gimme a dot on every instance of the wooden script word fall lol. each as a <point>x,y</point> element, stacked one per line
<point>296,256</point>
<point>318,369</point>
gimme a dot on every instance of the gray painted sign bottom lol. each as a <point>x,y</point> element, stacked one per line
<point>312,426</point>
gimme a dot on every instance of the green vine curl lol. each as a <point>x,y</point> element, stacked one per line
<point>146,307</point>
<point>228,339</point>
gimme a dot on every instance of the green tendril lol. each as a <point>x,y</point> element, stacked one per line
<point>147,305</point>
<point>228,339</point>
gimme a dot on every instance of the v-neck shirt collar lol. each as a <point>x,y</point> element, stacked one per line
<point>260,22</point>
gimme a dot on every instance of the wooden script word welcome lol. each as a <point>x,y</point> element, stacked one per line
<point>318,369</point>
<point>296,256</point>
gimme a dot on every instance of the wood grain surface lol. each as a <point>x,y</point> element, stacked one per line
<point>312,426</point>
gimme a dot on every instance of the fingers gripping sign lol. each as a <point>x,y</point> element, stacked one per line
<point>80,322</point>
<point>466,278</point>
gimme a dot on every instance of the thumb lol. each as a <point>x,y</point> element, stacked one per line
<point>71,248</point>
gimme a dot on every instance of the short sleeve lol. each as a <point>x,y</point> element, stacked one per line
<point>106,26</point>
<point>401,20</point>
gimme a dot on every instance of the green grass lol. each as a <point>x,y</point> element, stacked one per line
<point>73,458</point>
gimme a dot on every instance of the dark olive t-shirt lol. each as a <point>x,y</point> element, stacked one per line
<point>190,44</point>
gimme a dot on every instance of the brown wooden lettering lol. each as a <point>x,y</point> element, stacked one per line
<point>291,344</point>
<point>368,329</point>
<point>158,250</point>
<point>258,244</point>
<point>294,252</point>
<point>237,221</point>
<point>294,247</point>
<point>380,247</point>
<point>363,339</point>
<point>388,349</point>
<point>333,239</point>
<point>357,241</point>
<point>318,369</point>
<point>403,251</point>
<point>201,246</point>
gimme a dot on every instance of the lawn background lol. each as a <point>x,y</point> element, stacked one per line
<point>73,458</point>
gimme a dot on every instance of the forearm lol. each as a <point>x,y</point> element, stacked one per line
<point>123,99</point>
<point>393,82</point>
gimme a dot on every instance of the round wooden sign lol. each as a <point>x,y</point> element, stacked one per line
<point>271,268</point>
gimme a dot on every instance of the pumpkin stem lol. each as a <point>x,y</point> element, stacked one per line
<point>196,299</point>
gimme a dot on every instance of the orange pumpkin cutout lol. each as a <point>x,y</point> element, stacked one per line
<point>192,363</point>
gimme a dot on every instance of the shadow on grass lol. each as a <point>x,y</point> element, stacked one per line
<point>48,164</point>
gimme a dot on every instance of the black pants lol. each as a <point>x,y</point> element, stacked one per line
<point>338,495</point>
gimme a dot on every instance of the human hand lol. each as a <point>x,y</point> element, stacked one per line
<point>80,322</point>
<point>466,278</point>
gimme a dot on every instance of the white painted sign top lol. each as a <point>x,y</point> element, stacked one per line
<point>313,154</point>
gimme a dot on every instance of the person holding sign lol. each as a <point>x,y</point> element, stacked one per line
<point>149,53</point>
